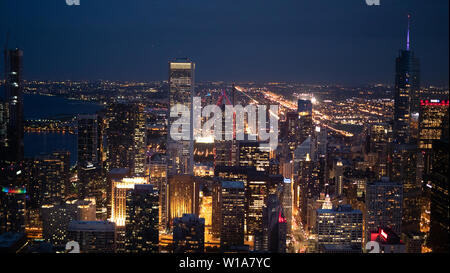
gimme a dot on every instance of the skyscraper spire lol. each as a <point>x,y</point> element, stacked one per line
<point>407,37</point>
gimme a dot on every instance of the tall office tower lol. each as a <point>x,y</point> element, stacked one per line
<point>119,190</point>
<point>341,226</point>
<point>14,100</point>
<point>383,206</point>
<point>114,176</point>
<point>56,217</point>
<point>433,113</point>
<point>12,209</point>
<point>378,138</point>
<point>250,154</point>
<point>225,150</point>
<point>126,137</point>
<point>140,140</point>
<point>321,141</point>
<point>93,236</point>
<point>291,127</point>
<point>158,178</point>
<point>259,186</point>
<point>274,226</point>
<point>232,198</point>
<point>305,120</point>
<point>142,224</point>
<point>404,169</point>
<point>181,91</point>
<point>48,180</point>
<point>183,196</point>
<point>439,217</point>
<point>89,140</point>
<point>90,150</point>
<point>189,234</point>
<point>339,177</point>
<point>286,202</point>
<point>4,117</point>
<point>407,85</point>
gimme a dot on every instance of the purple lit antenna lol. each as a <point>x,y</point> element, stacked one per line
<point>407,37</point>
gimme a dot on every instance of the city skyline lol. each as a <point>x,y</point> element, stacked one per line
<point>253,44</point>
<point>182,165</point>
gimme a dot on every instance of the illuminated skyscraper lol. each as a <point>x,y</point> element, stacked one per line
<point>119,192</point>
<point>407,85</point>
<point>305,124</point>
<point>183,196</point>
<point>14,102</point>
<point>341,226</point>
<point>432,117</point>
<point>48,181</point>
<point>232,198</point>
<point>89,140</point>
<point>126,137</point>
<point>119,189</point>
<point>250,154</point>
<point>339,177</point>
<point>158,178</point>
<point>56,217</point>
<point>189,234</point>
<point>12,209</point>
<point>142,225</point>
<point>181,91</point>
<point>384,200</point>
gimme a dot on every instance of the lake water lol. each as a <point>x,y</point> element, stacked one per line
<point>39,107</point>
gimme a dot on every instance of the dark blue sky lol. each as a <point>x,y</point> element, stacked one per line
<point>311,41</point>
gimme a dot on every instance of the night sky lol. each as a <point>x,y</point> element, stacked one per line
<point>309,41</point>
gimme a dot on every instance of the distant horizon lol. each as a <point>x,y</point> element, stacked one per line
<point>372,84</point>
<point>344,42</point>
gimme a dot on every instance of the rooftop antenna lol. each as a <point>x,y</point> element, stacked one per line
<point>407,37</point>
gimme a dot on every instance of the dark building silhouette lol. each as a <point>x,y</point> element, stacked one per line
<point>12,114</point>
<point>189,234</point>
<point>141,226</point>
<point>407,84</point>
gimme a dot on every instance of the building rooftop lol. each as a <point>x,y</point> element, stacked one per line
<point>92,226</point>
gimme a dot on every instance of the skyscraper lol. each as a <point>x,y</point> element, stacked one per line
<point>384,200</point>
<point>304,109</point>
<point>181,91</point>
<point>432,118</point>
<point>250,154</point>
<point>189,234</point>
<point>274,226</point>
<point>126,137</point>
<point>341,226</point>
<point>89,140</point>
<point>183,196</point>
<point>12,209</point>
<point>407,85</point>
<point>14,101</point>
<point>142,225</point>
<point>158,178</point>
<point>439,217</point>
<point>232,198</point>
